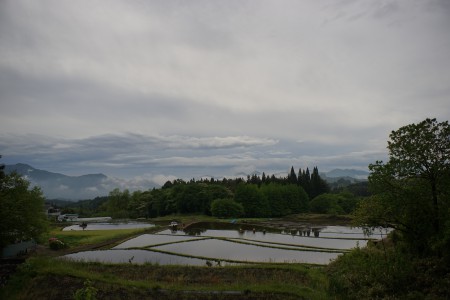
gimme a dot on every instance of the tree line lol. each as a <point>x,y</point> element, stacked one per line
<point>255,196</point>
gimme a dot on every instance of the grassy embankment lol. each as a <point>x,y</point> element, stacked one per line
<point>45,277</point>
<point>51,278</point>
<point>96,238</point>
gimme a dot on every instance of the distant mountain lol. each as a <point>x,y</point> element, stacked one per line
<point>352,173</point>
<point>60,186</point>
<point>339,178</point>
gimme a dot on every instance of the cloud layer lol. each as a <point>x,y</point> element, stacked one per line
<point>186,89</point>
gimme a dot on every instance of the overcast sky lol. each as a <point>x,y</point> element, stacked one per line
<point>151,90</point>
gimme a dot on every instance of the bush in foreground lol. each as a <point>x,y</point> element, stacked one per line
<point>56,244</point>
<point>378,272</point>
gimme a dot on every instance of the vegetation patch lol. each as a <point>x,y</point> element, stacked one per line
<point>89,237</point>
<point>38,278</point>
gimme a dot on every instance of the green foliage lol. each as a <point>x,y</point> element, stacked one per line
<point>292,177</point>
<point>360,189</point>
<point>56,244</point>
<point>410,195</point>
<point>85,208</point>
<point>197,197</point>
<point>348,201</point>
<point>75,238</point>
<point>369,274</point>
<point>327,204</point>
<point>269,196</point>
<point>87,293</point>
<point>118,203</point>
<point>22,210</point>
<point>253,200</point>
<point>285,199</point>
<point>226,208</point>
<point>411,189</point>
<point>37,279</point>
<point>138,204</point>
<point>318,186</point>
<point>387,271</point>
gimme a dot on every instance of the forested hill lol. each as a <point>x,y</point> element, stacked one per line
<point>73,188</point>
<point>254,196</point>
<point>56,185</point>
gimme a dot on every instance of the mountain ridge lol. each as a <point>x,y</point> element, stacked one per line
<point>61,186</point>
<point>357,174</point>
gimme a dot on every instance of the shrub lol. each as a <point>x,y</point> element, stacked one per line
<point>56,244</point>
<point>371,273</point>
<point>87,293</point>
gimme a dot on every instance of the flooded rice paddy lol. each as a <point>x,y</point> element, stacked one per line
<point>218,243</point>
<point>108,226</point>
<point>134,256</point>
<point>337,242</point>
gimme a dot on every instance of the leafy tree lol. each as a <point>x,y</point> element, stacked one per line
<point>214,191</point>
<point>188,197</point>
<point>411,190</point>
<point>138,204</point>
<point>117,204</point>
<point>196,197</point>
<point>296,199</point>
<point>159,203</point>
<point>274,195</point>
<point>348,201</point>
<point>252,199</point>
<point>22,210</point>
<point>226,208</point>
<point>326,204</point>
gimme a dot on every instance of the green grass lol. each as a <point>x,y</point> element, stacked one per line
<point>90,237</point>
<point>38,278</point>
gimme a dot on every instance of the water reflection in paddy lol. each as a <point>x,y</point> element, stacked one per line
<point>269,237</point>
<point>145,240</point>
<point>208,243</point>
<point>108,226</point>
<point>351,232</point>
<point>220,249</point>
<point>134,256</point>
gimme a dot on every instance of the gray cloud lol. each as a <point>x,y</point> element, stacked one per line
<point>170,88</point>
<point>155,158</point>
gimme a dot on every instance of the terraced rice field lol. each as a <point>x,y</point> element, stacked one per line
<point>232,245</point>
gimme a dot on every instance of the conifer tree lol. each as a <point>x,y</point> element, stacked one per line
<point>292,177</point>
<point>300,178</point>
<point>306,179</point>
<point>318,185</point>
